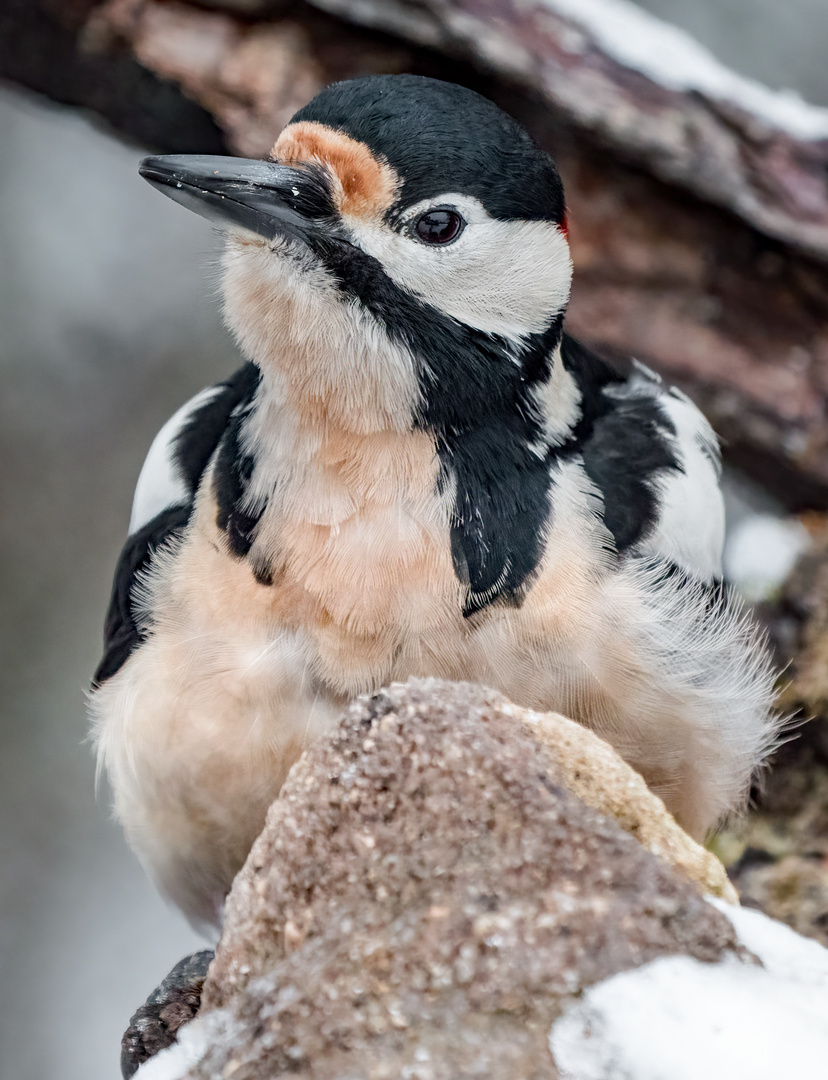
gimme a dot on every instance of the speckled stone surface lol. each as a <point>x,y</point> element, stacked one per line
<point>426,897</point>
<point>592,769</point>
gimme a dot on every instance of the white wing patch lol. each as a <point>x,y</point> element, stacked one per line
<point>690,528</point>
<point>160,484</point>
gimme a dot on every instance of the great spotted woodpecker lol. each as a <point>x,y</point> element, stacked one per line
<point>417,472</point>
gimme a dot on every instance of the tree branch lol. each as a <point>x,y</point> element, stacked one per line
<point>698,222</point>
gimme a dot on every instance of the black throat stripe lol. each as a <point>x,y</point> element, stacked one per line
<point>476,399</point>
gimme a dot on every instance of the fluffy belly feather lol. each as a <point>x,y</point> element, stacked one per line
<point>200,727</point>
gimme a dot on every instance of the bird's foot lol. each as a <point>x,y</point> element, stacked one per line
<point>171,1005</point>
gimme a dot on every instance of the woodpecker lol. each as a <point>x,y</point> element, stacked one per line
<point>417,472</point>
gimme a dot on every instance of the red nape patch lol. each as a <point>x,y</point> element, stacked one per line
<point>565,226</point>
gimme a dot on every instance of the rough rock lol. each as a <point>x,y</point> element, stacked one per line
<point>595,773</point>
<point>792,889</point>
<point>426,897</point>
<point>798,623</point>
<point>778,855</point>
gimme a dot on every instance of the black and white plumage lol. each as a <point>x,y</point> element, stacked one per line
<point>416,473</point>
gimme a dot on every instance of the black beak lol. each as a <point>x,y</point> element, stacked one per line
<point>269,199</point>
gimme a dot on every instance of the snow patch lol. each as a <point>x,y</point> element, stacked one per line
<point>671,57</point>
<point>216,1028</point>
<point>679,1019</point>
<point>761,552</point>
<point>170,1064</point>
<point>784,953</point>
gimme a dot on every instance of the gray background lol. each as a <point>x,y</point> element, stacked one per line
<point>107,323</point>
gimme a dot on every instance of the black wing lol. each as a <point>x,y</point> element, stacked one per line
<point>182,455</point>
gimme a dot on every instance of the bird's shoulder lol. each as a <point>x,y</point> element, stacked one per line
<point>655,459</point>
<point>182,449</point>
<point>164,498</point>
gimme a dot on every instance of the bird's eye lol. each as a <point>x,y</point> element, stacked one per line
<point>438,226</point>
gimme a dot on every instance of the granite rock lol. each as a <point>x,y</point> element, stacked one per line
<point>427,896</point>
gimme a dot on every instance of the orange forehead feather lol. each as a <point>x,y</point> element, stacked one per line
<point>363,183</point>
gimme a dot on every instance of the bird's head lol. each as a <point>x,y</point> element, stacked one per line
<point>402,255</point>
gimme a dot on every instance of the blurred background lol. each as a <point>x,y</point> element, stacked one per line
<point>108,322</point>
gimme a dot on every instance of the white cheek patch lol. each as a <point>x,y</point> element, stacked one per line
<point>501,277</point>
